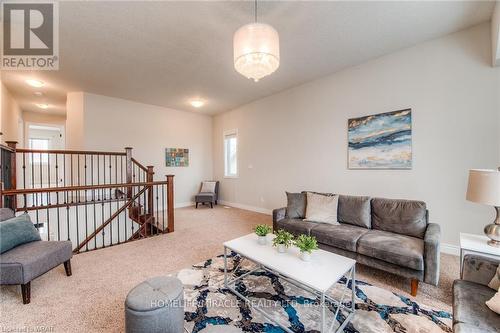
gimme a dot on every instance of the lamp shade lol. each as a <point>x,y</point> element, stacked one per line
<point>484,187</point>
<point>256,50</point>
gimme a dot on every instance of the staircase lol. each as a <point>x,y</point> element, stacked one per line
<point>93,199</point>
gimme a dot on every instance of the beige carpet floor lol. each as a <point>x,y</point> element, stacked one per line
<point>92,299</point>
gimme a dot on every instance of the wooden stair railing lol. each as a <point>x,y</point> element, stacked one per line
<point>63,189</point>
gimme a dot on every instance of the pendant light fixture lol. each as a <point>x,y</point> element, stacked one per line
<point>256,49</point>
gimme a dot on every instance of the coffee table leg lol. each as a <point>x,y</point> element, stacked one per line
<point>353,287</point>
<point>323,314</point>
<point>225,266</point>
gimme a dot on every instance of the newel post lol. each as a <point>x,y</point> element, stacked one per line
<point>13,169</point>
<point>170,203</point>
<point>149,179</point>
<point>128,176</point>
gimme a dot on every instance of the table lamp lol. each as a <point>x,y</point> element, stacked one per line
<point>484,188</point>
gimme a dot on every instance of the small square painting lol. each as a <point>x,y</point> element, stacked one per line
<point>380,141</point>
<point>177,157</point>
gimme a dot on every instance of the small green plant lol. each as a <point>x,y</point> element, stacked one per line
<point>306,243</point>
<point>283,237</point>
<point>262,229</point>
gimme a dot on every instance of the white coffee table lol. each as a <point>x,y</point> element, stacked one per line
<point>317,276</point>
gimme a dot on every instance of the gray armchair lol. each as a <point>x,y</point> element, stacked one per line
<point>470,313</point>
<point>207,197</point>
<point>24,263</point>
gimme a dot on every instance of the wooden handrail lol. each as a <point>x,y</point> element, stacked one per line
<point>4,147</point>
<point>139,164</point>
<point>79,188</point>
<point>70,152</point>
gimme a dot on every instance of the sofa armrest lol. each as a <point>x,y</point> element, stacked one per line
<point>278,215</point>
<point>479,269</point>
<point>432,240</point>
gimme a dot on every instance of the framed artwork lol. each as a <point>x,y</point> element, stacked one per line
<point>380,141</point>
<point>177,157</point>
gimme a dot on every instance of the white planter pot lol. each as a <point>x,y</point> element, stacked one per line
<point>281,248</point>
<point>262,240</point>
<point>306,256</point>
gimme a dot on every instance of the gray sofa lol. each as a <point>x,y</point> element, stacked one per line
<point>22,264</point>
<point>387,234</point>
<point>470,313</point>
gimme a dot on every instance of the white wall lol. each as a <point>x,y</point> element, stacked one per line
<point>111,124</point>
<point>75,124</point>
<point>297,140</point>
<point>11,117</point>
<point>495,35</point>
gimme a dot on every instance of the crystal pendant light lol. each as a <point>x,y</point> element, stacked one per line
<point>256,50</point>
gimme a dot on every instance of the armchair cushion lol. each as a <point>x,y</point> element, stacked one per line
<point>17,231</point>
<point>432,257</point>
<point>479,269</point>
<point>28,261</point>
<point>469,307</point>
<point>6,213</point>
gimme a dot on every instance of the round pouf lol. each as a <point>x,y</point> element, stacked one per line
<point>155,305</point>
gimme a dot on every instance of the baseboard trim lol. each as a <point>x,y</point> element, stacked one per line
<point>247,207</point>
<point>184,204</point>
<point>450,249</point>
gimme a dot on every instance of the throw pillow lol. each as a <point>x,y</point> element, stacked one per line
<point>208,187</point>
<point>296,205</point>
<point>494,303</point>
<point>321,208</point>
<point>17,231</point>
<point>495,281</point>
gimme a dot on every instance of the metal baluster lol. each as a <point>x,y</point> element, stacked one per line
<point>164,206</point>
<point>157,219</point>
<point>102,219</point>
<point>85,201</point>
<point>48,197</point>
<point>57,200</point>
<point>110,205</point>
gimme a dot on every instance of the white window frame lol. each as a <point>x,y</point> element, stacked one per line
<point>233,132</point>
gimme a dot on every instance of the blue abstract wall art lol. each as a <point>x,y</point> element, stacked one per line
<point>380,141</point>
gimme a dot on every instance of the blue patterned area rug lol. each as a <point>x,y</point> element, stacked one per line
<point>211,308</point>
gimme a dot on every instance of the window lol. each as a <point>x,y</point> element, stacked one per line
<point>231,154</point>
<point>42,144</point>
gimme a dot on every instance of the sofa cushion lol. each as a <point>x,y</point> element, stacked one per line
<point>355,210</point>
<point>6,213</point>
<point>393,248</point>
<point>469,306</point>
<point>28,261</point>
<point>296,205</point>
<point>322,208</point>
<point>343,236</point>
<point>17,231</point>
<point>403,217</point>
<point>296,226</point>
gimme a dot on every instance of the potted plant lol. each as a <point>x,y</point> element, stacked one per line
<point>283,240</point>
<point>262,230</point>
<point>306,245</point>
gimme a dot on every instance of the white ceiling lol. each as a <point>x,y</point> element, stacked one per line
<point>165,53</point>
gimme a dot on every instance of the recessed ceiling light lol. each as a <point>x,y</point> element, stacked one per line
<point>197,103</point>
<point>38,93</point>
<point>35,83</point>
<point>43,106</point>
